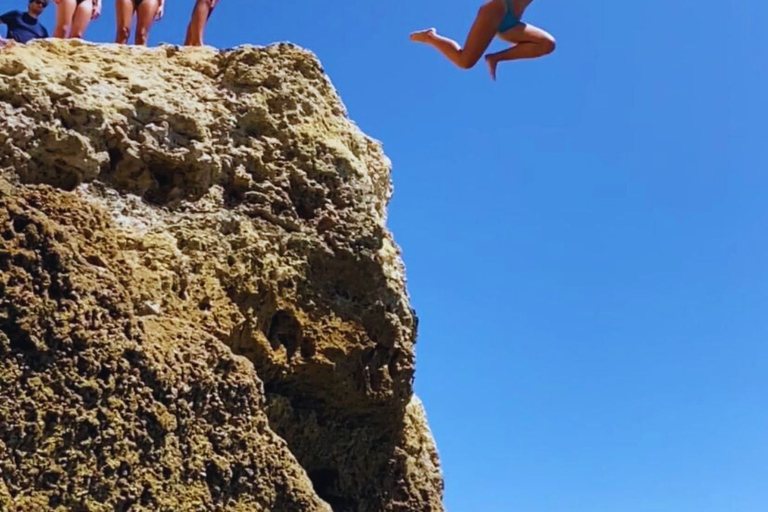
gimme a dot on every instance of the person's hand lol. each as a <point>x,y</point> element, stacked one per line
<point>160,11</point>
<point>96,11</point>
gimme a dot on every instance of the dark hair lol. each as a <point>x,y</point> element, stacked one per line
<point>44,2</point>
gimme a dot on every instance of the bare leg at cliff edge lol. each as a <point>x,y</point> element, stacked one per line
<point>496,18</point>
<point>74,16</point>
<point>200,14</point>
<point>146,11</point>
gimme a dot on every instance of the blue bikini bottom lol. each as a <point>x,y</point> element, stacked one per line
<point>510,20</point>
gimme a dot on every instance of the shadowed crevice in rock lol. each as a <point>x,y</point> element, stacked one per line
<point>341,412</point>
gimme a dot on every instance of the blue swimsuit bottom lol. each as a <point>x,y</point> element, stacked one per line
<point>510,20</point>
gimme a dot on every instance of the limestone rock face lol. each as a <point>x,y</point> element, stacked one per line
<point>201,307</point>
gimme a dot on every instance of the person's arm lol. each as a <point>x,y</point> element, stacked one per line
<point>6,18</point>
<point>160,9</point>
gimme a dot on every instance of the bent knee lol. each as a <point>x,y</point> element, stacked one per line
<point>467,62</point>
<point>549,45</point>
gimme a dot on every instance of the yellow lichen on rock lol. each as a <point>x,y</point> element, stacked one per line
<point>201,307</point>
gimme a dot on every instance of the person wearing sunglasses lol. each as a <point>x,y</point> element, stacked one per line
<point>496,18</point>
<point>200,15</point>
<point>146,11</point>
<point>25,26</point>
<point>73,17</point>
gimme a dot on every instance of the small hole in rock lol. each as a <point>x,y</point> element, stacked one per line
<point>285,330</point>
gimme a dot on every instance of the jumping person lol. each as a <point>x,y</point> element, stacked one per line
<point>146,11</point>
<point>73,17</point>
<point>25,26</point>
<point>200,14</point>
<point>500,18</point>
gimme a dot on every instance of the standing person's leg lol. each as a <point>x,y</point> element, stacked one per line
<point>81,19</point>
<point>196,28</point>
<point>480,36</point>
<point>65,9</point>
<point>124,11</point>
<point>146,13</point>
<point>530,42</point>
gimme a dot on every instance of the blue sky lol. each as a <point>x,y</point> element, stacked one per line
<point>585,240</point>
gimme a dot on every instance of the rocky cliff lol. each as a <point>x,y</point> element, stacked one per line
<point>200,305</point>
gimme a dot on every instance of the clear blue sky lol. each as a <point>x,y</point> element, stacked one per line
<point>585,240</point>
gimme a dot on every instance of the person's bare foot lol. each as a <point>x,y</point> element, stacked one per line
<point>422,36</point>
<point>492,63</point>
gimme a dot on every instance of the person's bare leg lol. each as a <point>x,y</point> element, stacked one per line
<point>145,17</point>
<point>196,26</point>
<point>479,38</point>
<point>530,42</point>
<point>81,19</point>
<point>124,11</point>
<point>65,9</point>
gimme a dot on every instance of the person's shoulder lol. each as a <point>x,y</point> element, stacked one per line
<point>11,14</point>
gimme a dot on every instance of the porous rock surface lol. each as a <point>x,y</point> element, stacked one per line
<point>200,305</point>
